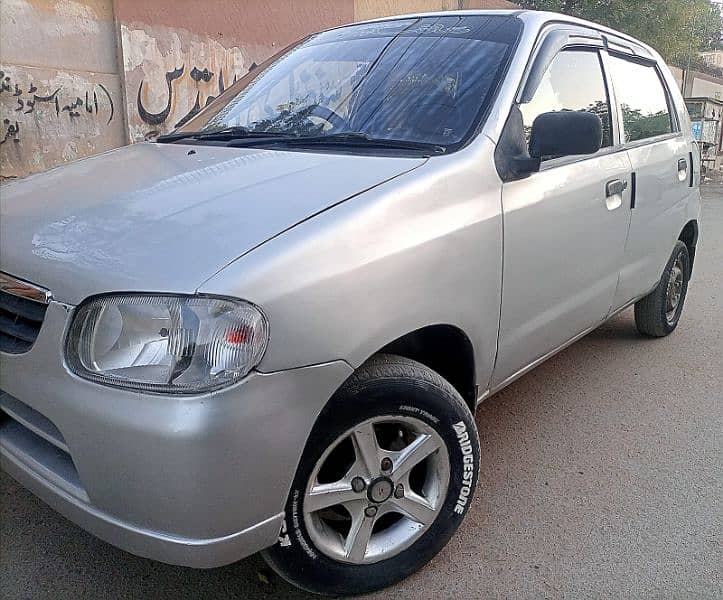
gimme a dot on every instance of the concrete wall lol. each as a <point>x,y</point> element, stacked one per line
<point>706,87</point>
<point>84,76</point>
<point>372,9</point>
<point>699,85</point>
<point>60,89</point>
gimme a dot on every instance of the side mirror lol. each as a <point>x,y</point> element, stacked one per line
<point>565,133</point>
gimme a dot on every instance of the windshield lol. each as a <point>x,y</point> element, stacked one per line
<point>426,80</point>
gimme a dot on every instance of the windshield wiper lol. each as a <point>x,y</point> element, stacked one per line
<point>239,136</point>
<point>225,134</point>
<point>353,139</point>
<point>238,132</point>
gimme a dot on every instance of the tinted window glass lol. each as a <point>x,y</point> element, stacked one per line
<point>573,81</point>
<point>426,79</point>
<point>642,99</point>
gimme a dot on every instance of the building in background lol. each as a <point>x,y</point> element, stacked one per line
<point>78,77</point>
<point>703,93</point>
<point>706,115</point>
<point>713,58</point>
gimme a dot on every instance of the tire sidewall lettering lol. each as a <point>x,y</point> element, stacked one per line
<point>297,531</point>
<point>419,412</point>
<point>467,459</point>
<point>469,469</point>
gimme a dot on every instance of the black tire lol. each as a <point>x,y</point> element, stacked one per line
<point>386,385</point>
<point>651,316</point>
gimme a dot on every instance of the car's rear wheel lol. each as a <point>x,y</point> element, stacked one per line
<point>387,475</point>
<point>658,314</point>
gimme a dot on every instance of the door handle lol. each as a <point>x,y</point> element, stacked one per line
<point>614,193</point>
<point>615,187</point>
<point>683,169</point>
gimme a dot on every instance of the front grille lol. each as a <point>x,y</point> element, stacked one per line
<point>22,310</point>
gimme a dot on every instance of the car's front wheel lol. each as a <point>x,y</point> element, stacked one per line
<point>386,477</point>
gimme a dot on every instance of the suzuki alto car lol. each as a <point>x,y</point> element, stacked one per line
<point>269,329</point>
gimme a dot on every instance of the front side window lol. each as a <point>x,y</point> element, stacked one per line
<point>642,98</point>
<point>574,81</point>
<point>427,80</point>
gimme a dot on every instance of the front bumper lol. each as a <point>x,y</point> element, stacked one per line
<point>197,481</point>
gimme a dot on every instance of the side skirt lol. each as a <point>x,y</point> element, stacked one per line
<point>523,371</point>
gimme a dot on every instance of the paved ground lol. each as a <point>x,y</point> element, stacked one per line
<point>602,478</point>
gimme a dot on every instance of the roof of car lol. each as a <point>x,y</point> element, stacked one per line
<point>448,13</point>
<point>534,18</point>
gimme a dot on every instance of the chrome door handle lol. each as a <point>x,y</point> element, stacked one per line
<point>614,193</point>
<point>615,187</point>
<point>683,169</point>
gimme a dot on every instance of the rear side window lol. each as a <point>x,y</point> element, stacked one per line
<point>642,98</point>
<point>573,81</point>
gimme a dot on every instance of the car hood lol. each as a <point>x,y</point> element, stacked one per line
<point>165,217</point>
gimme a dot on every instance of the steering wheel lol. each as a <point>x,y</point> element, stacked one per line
<point>334,119</point>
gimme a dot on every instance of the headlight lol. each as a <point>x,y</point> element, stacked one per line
<point>167,344</point>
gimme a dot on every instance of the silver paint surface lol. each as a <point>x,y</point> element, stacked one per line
<point>154,217</point>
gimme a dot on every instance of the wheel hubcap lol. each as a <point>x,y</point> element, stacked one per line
<point>380,489</point>
<point>675,290</point>
<point>403,465</point>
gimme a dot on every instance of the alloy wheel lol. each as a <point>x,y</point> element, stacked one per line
<point>675,290</point>
<point>376,489</point>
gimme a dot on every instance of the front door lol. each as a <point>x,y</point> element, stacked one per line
<point>564,227</point>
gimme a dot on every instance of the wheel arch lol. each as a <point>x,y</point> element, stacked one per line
<point>689,236</point>
<point>447,350</point>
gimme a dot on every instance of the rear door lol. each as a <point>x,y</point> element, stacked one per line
<point>661,161</point>
<point>564,227</point>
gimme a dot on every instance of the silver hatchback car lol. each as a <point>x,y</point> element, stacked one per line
<point>269,330</point>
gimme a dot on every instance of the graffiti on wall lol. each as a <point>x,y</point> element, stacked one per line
<point>64,104</point>
<point>172,74</point>
<point>11,131</point>
<point>198,76</point>
<point>49,116</point>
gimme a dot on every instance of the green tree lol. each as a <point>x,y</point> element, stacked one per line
<point>673,27</point>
